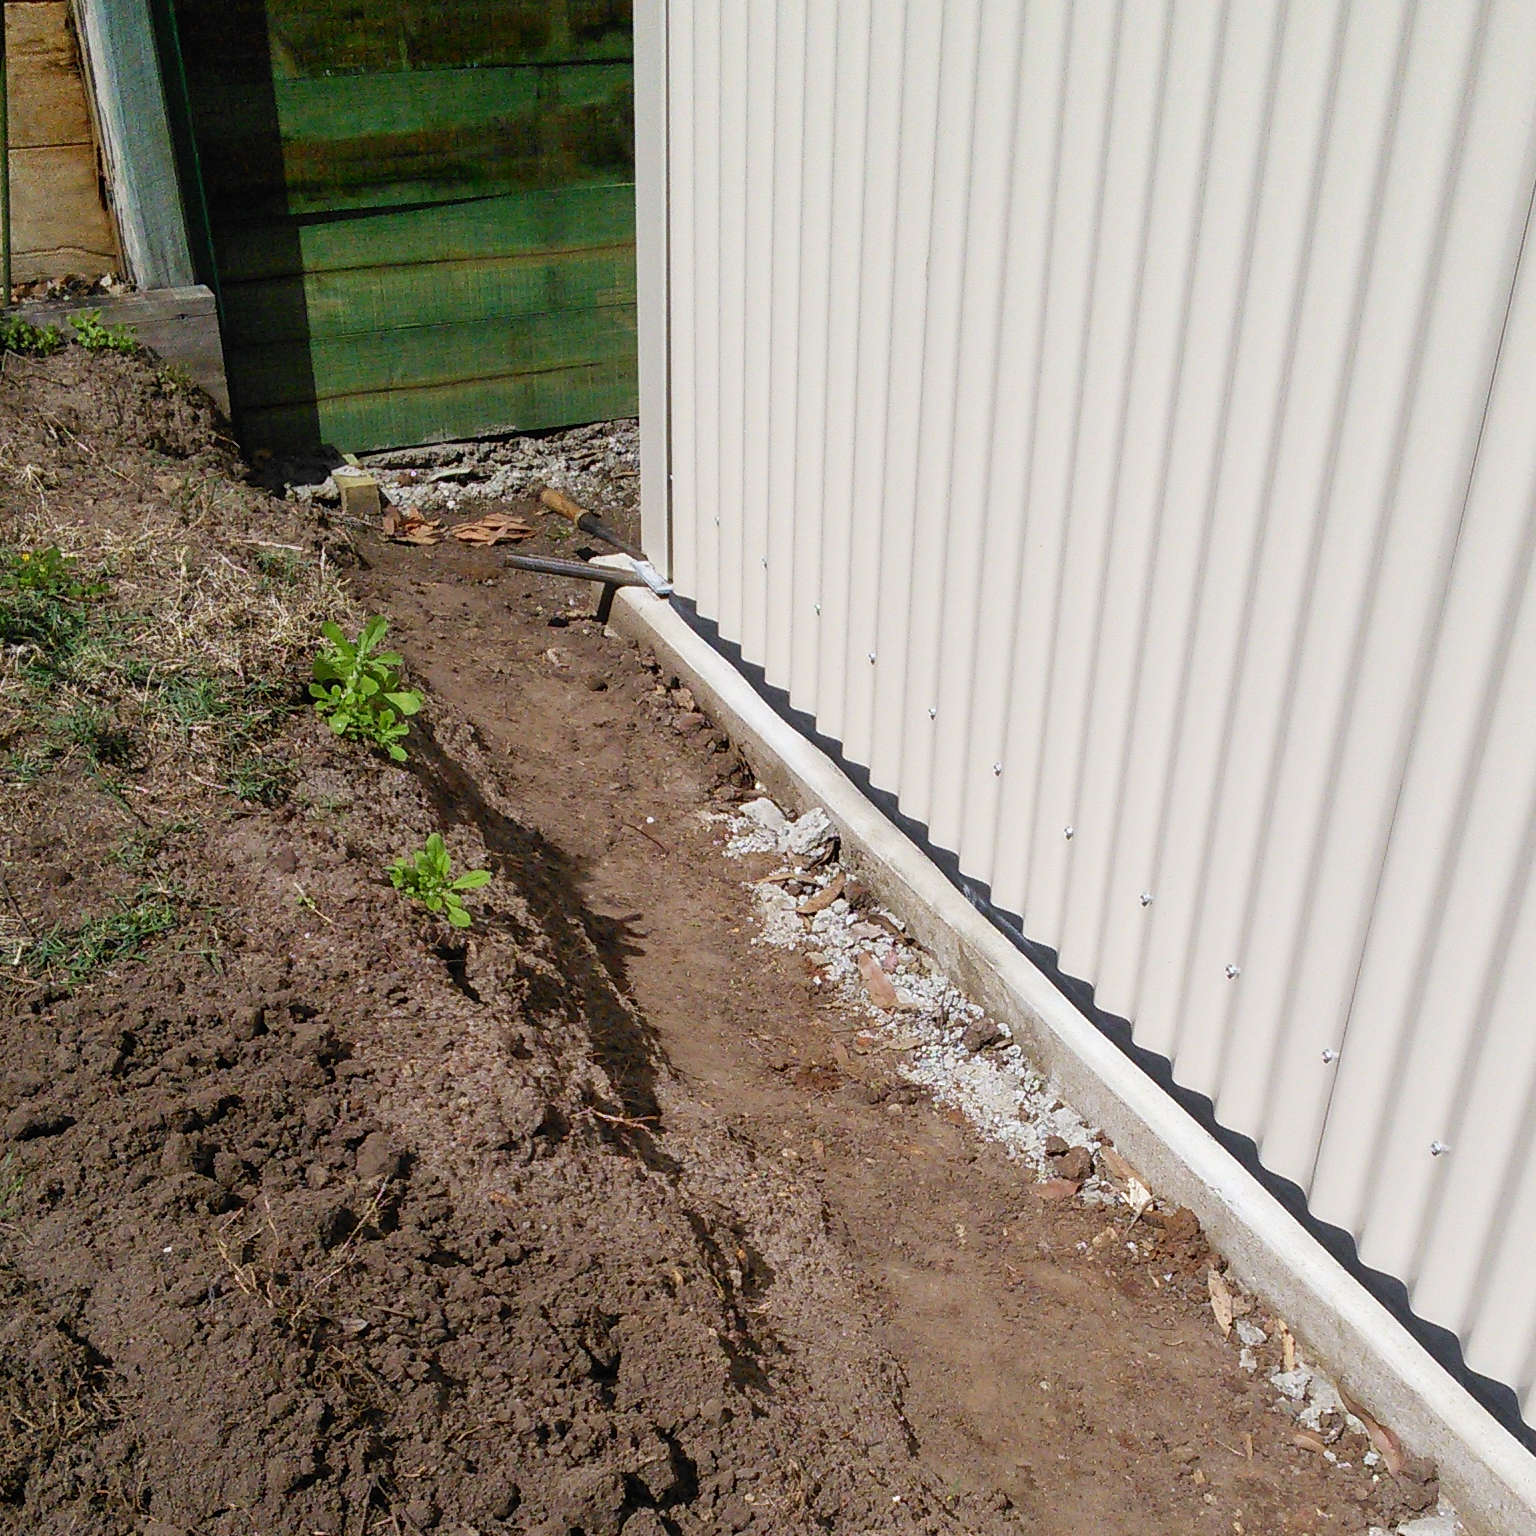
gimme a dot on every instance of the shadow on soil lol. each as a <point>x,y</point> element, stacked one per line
<point>594,957</point>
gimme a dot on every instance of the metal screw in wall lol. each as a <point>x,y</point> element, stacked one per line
<point>1146,898</point>
<point>1330,1056</point>
<point>933,713</point>
<point>997,768</point>
<point>818,610</point>
<point>1233,972</point>
<point>1069,833</point>
<point>871,658</point>
<point>1438,1149</point>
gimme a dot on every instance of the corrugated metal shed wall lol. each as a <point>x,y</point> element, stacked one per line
<point>1113,423</point>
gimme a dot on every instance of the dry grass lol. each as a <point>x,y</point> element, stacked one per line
<point>191,606</point>
<point>195,641</point>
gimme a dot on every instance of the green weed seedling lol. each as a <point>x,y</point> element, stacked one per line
<point>17,335</point>
<point>427,876</point>
<point>357,688</point>
<point>94,336</point>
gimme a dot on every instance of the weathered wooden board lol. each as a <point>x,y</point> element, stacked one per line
<point>47,96</point>
<point>373,299</point>
<point>56,212</point>
<point>418,356</point>
<point>417,202</point>
<point>181,325</point>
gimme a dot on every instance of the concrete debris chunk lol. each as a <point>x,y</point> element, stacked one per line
<point>1291,1384</point>
<point>811,833</point>
<point>763,813</point>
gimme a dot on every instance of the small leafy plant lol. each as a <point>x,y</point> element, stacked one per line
<point>94,336</point>
<point>357,688</point>
<point>43,598</point>
<point>18,335</point>
<point>49,572</point>
<point>427,876</point>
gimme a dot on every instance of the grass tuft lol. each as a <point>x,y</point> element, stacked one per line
<point>74,954</point>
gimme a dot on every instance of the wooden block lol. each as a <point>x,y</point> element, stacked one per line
<point>359,493</point>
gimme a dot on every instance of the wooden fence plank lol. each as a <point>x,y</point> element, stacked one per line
<point>419,232</point>
<point>408,357</point>
<point>57,214</point>
<point>384,140</point>
<point>557,219</point>
<point>516,403</point>
<point>486,290</point>
<point>329,38</point>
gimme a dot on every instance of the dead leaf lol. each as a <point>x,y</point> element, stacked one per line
<point>1308,1442</point>
<point>1287,1349</point>
<point>824,897</point>
<point>493,528</point>
<point>1221,1301</point>
<point>1384,1439</point>
<point>1137,1195</point>
<point>1057,1189</point>
<point>881,993</point>
<point>410,527</point>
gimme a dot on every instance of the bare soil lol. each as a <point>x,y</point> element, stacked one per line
<point>316,1216</point>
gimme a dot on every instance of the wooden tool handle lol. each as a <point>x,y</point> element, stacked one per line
<point>557,501</point>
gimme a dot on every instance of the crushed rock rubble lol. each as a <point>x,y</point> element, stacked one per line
<point>596,465</point>
<point>945,1044</point>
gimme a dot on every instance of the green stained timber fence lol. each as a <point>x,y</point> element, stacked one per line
<point>421,213</point>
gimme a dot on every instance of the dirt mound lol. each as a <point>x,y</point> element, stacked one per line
<point>319,1217</point>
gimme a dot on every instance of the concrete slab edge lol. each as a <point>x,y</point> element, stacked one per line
<point>1488,1474</point>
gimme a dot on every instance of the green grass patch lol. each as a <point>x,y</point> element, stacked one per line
<point>10,1187</point>
<point>74,954</point>
<point>261,778</point>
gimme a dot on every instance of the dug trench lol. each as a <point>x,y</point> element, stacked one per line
<point>317,1215</point>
